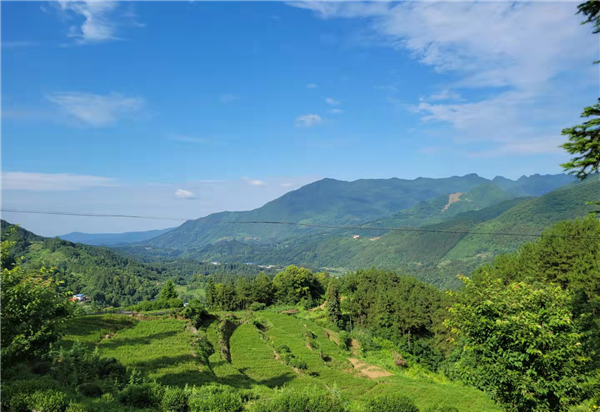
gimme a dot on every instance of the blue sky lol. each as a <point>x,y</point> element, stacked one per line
<point>188,108</point>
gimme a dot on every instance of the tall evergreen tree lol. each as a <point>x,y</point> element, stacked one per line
<point>210,293</point>
<point>332,298</point>
<point>168,292</point>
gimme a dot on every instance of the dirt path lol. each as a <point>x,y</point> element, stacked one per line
<point>321,306</point>
<point>370,371</point>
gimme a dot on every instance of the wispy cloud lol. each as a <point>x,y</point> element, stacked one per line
<point>185,194</point>
<point>517,54</point>
<point>445,94</point>
<point>102,20</point>
<point>308,120</point>
<point>18,44</point>
<point>312,86</point>
<point>254,182</point>
<point>228,98</point>
<point>287,184</point>
<point>94,109</point>
<point>331,101</point>
<point>337,111</point>
<point>52,182</point>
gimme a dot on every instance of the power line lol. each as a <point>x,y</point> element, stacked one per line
<point>311,225</point>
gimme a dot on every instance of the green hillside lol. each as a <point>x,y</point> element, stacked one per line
<point>162,349</point>
<point>430,255</point>
<point>327,201</point>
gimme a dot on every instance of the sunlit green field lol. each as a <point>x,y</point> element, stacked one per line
<point>162,348</point>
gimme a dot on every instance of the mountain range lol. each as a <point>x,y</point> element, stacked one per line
<point>431,228</point>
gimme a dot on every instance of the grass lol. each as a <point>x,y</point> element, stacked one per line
<point>162,349</point>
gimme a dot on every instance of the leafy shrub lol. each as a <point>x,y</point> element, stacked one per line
<point>310,399</point>
<point>80,364</point>
<point>215,398</point>
<point>175,400</point>
<point>441,408</point>
<point>391,403</point>
<point>15,397</point>
<point>195,312</point>
<point>145,395</point>
<point>204,348</point>
<point>90,389</point>
<point>48,401</point>
<point>256,306</point>
<point>298,363</point>
<point>75,407</point>
<point>343,339</point>
<point>283,349</point>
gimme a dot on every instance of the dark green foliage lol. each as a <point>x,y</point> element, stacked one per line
<point>332,302</point>
<point>145,395</point>
<point>441,408</point>
<point>204,348</point>
<point>398,308</point>
<point>225,329</point>
<point>391,403</point>
<point>591,10</point>
<point>168,291</point>
<point>48,401</point>
<point>175,400</point>
<point>262,289</point>
<point>297,285</point>
<point>310,399</point>
<point>105,276</point>
<point>215,398</point>
<point>32,310</point>
<point>195,312</point>
<point>584,143</point>
<point>256,306</point>
<point>79,366</point>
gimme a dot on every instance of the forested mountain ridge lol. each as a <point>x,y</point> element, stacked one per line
<point>329,201</point>
<point>109,277</point>
<point>438,252</point>
<point>112,239</point>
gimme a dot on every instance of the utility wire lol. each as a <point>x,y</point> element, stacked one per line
<point>381,229</point>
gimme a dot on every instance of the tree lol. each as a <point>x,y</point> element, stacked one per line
<point>243,290</point>
<point>32,310</point>
<point>521,344</point>
<point>168,292</point>
<point>262,289</point>
<point>210,293</point>
<point>334,313</point>
<point>297,285</point>
<point>584,143</point>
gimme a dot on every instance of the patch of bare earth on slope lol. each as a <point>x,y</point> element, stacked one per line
<point>453,198</point>
<point>370,371</point>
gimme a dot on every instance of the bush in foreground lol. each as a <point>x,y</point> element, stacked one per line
<point>215,398</point>
<point>311,399</point>
<point>391,403</point>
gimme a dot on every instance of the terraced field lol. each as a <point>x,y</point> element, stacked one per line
<point>162,348</point>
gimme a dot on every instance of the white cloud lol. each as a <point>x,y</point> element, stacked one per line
<point>445,95</point>
<point>102,20</point>
<point>308,120</point>
<point>337,111</point>
<point>52,182</point>
<point>287,184</point>
<point>332,101</point>
<point>94,109</point>
<point>254,182</point>
<point>228,98</point>
<point>527,57</point>
<point>311,86</point>
<point>184,194</point>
